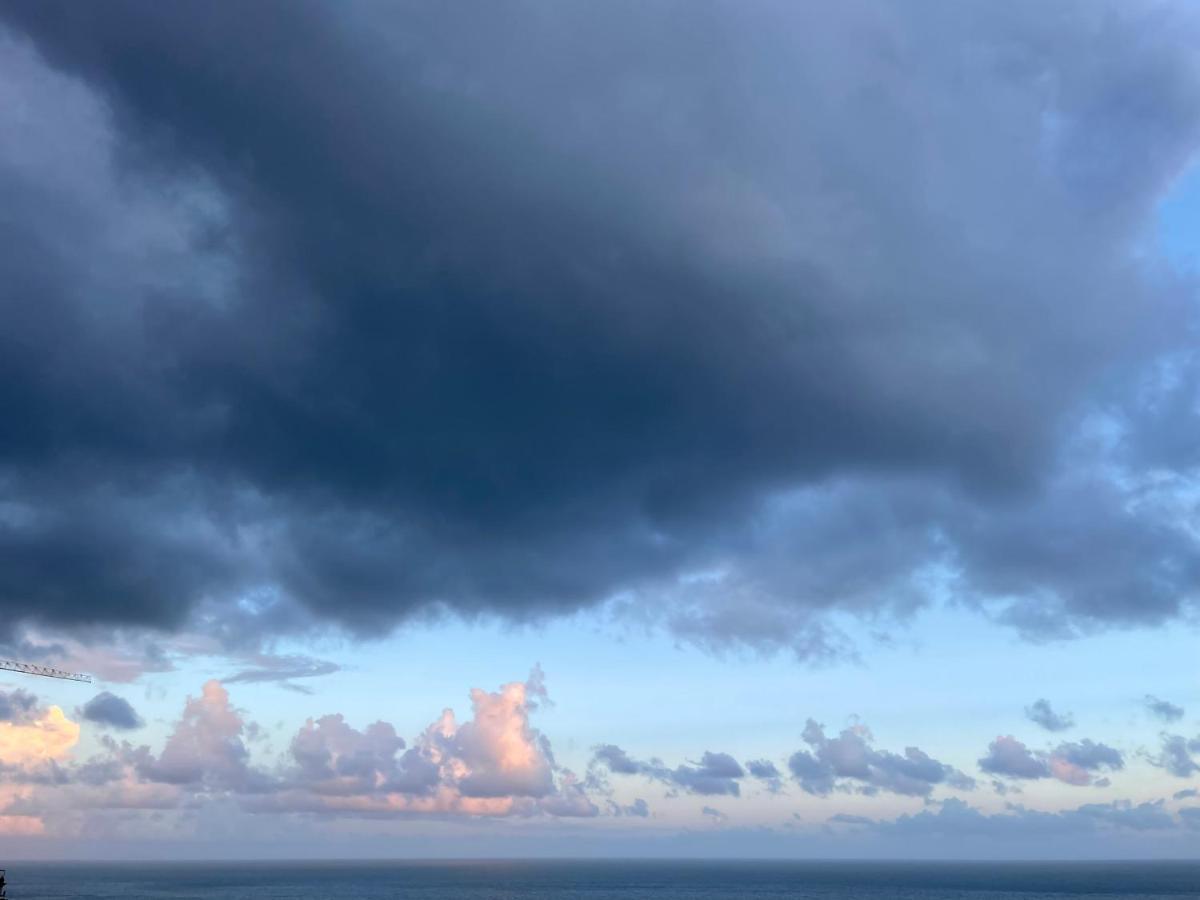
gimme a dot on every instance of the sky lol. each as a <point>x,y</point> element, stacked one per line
<point>624,429</point>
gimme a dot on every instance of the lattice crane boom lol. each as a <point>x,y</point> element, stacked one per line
<point>47,671</point>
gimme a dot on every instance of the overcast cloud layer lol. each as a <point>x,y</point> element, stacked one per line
<point>734,313</point>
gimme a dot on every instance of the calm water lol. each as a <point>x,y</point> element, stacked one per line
<point>605,880</point>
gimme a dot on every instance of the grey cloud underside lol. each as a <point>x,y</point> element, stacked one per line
<point>848,762</point>
<point>1042,713</point>
<point>1179,755</point>
<point>110,710</point>
<point>1163,709</point>
<point>513,312</point>
<point>956,819</point>
<point>715,774</point>
<point>1072,762</point>
<point>1009,757</point>
<point>17,706</point>
<point>766,772</point>
<point>638,808</point>
<point>283,669</point>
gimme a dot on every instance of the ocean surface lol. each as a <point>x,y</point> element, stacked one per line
<point>610,880</point>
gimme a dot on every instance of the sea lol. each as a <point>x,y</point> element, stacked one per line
<point>608,880</point>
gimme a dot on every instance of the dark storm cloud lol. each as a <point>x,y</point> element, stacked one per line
<point>1163,709</point>
<point>1041,713</point>
<point>109,709</point>
<point>850,760</point>
<point>408,311</point>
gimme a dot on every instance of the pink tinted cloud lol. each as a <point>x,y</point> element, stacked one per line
<point>496,763</point>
